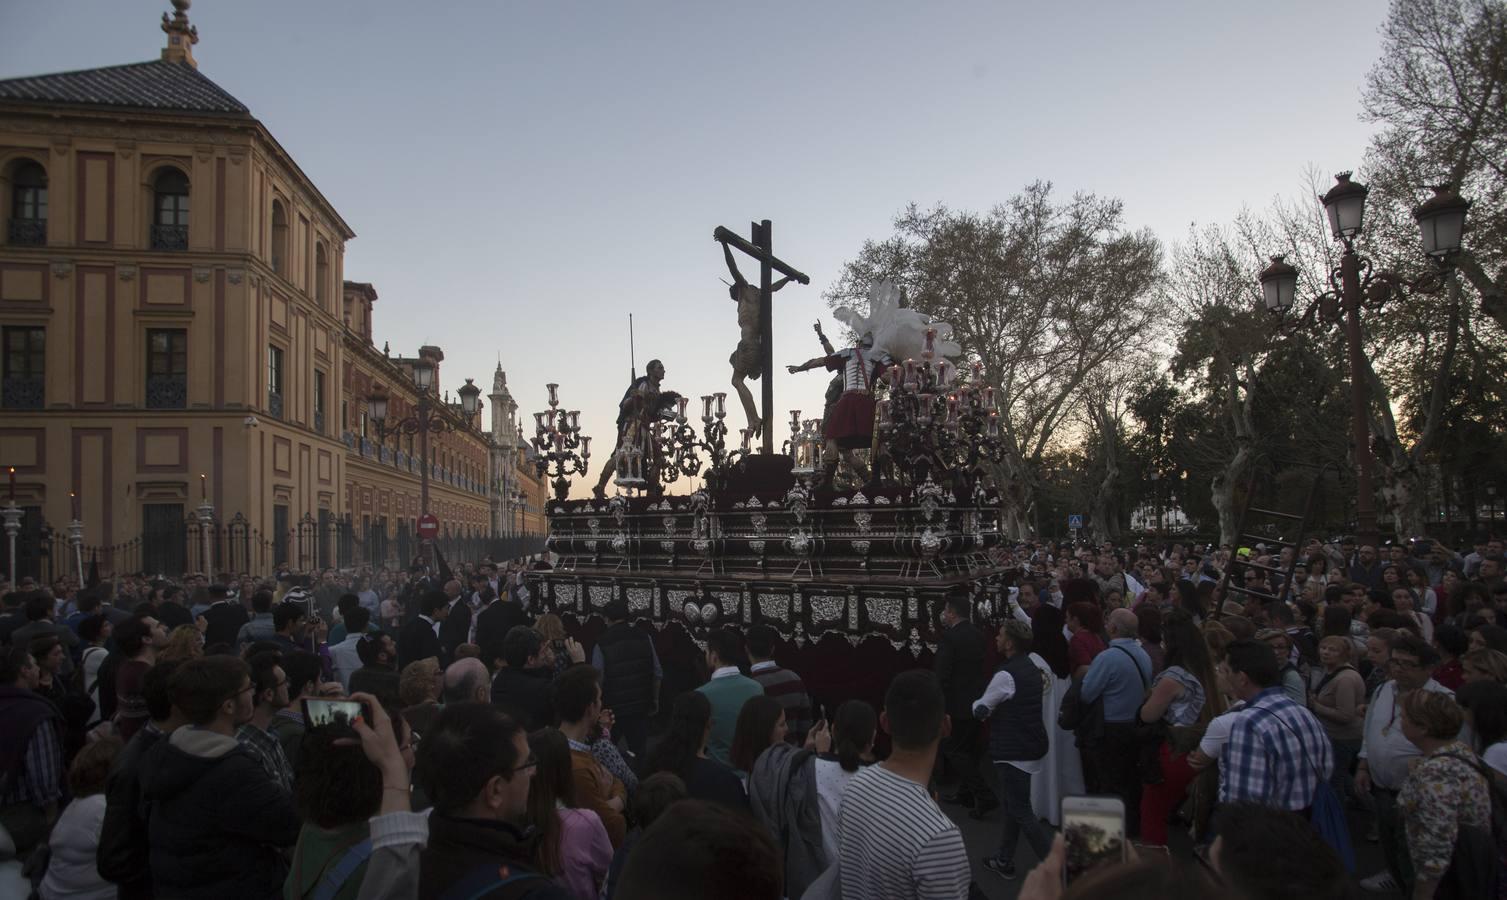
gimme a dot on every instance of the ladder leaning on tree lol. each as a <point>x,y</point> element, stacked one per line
<point>1299,522</point>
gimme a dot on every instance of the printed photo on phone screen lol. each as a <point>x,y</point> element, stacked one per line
<point>1091,840</point>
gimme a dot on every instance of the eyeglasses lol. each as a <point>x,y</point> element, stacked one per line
<point>1398,663</point>
<point>529,762</point>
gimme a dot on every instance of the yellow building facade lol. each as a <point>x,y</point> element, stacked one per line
<point>177,334</point>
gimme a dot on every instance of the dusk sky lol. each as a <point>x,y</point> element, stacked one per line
<point>522,175</point>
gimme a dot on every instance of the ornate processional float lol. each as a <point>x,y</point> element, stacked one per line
<point>848,538</point>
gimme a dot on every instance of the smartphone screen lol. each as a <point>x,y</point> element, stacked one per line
<point>339,714</point>
<point>1094,830</point>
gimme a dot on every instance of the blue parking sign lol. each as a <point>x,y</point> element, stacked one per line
<point>1075,521</point>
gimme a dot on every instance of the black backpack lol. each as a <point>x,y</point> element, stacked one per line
<point>1476,865</point>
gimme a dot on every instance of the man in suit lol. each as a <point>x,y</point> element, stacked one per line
<point>959,665</point>
<point>495,621</point>
<point>456,627</point>
<point>420,638</point>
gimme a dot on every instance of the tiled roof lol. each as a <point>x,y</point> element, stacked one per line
<point>158,84</point>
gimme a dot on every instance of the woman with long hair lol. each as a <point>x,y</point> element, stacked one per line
<point>573,846</point>
<point>851,748</point>
<point>1186,697</point>
<point>682,751</point>
<point>183,644</point>
<point>1061,771</point>
<point>761,724</point>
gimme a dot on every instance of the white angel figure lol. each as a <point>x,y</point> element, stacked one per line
<point>899,332</point>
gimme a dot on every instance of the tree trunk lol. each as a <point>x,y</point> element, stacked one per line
<point>1223,487</point>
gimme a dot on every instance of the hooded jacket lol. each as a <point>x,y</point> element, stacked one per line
<point>782,794</point>
<point>215,820</point>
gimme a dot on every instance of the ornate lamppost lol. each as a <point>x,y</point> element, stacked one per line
<point>1441,221</point>
<point>206,513</point>
<point>11,513</point>
<point>557,438</point>
<point>427,419</point>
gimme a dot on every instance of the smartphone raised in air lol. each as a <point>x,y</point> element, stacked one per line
<point>338,714</point>
<point>1094,830</point>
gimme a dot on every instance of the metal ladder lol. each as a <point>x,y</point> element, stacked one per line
<point>1244,533</point>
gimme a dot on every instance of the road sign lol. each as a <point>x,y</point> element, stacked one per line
<point>429,526</point>
<point>1075,521</point>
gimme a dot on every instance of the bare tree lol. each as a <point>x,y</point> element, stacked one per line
<point>1440,90</point>
<point>1041,293</point>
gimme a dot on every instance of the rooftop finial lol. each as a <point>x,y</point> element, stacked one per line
<point>181,36</point>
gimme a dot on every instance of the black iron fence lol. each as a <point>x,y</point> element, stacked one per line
<point>171,546</point>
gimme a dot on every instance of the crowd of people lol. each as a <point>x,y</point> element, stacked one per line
<point>157,737</point>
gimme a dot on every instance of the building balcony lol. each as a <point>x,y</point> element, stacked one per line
<point>167,392</point>
<point>274,405</point>
<point>27,232</point>
<point>170,237</point>
<point>319,420</point>
<point>22,392</point>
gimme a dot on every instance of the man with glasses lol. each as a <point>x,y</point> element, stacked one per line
<point>475,765</point>
<point>1385,754</point>
<point>216,821</point>
<point>270,694</point>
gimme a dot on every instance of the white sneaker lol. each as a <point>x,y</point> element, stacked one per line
<point>1382,883</point>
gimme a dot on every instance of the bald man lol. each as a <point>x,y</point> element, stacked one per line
<point>456,629</point>
<point>1119,675</point>
<point>466,680</point>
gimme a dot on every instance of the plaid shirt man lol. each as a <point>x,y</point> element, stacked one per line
<point>40,780</point>
<point>1276,755</point>
<point>264,746</point>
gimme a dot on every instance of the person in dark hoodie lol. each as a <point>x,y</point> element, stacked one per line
<point>215,820</point>
<point>124,855</point>
<point>474,763</point>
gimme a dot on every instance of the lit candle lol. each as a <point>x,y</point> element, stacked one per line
<point>978,369</point>
<point>988,398</point>
<point>944,372</point>
<point>894,377</point>
<point>910,370</point>
<point>13,483</point>
<point>559,442</point>
<point>993,424</point>
<point>73,504</point>
<point>203,487</point>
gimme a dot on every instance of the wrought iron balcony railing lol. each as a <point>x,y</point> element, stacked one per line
<point>169,237</point>
<point>27,232</point>
<point>167,391</point>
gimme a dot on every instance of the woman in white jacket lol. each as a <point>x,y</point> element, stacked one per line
<point>71,872</point>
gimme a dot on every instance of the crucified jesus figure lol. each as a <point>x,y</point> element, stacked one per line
<point>748,360</point>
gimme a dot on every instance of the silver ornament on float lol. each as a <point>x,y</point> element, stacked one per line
<point>709,613</point>
<point>692,613</point>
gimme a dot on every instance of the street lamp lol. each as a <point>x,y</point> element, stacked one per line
<point>427,419</point>
<point>1441,222</point>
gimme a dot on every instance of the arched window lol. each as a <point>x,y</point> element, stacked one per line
<point>170,210</point>
<point>321,275</point>
<point>279,238</point>
<point>28,205</point>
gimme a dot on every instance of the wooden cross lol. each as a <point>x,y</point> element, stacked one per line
<point>761,248</point>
